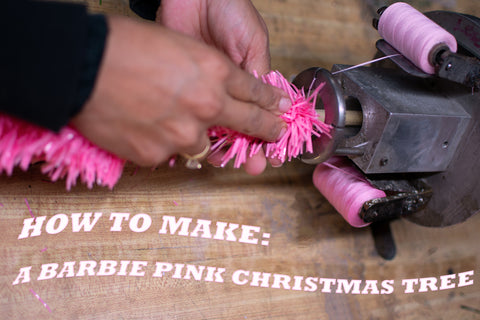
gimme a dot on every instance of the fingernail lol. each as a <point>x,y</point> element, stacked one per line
<point>282,133</point>
<point>284,105</point>
<point>276,165</point>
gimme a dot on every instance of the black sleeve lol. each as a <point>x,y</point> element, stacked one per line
<point>49,59</point>
<point>146,9</point>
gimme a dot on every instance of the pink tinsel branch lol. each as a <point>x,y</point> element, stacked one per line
<point>66,154</point>
<point>302,122</point>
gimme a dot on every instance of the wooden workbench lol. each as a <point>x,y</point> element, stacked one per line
<point>286,242</point>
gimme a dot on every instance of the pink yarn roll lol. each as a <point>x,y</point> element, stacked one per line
<point>413,34</point>
<point>345,188</point>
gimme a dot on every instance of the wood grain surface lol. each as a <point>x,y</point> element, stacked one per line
<point>303,237</point>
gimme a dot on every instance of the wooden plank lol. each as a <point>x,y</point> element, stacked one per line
<point>307,239</point>
<point>321,33</point>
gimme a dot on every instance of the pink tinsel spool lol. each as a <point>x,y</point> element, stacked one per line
<point>414,35</point>
<point>345,188</point>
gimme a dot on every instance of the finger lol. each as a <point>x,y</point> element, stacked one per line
<point>256,164</point>
<point>274,162</point>
<point>251,120</point>
<point>258,59</point>
<point>253,166</point>
<point>257,53</point>
<point>259,63</point>
<point>245,87</point>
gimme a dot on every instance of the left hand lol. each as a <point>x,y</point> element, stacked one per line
<point>233,27</point>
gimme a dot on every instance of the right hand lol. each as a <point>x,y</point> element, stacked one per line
<point>157,92</point>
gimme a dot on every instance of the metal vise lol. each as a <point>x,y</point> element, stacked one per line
<point>419,135</point>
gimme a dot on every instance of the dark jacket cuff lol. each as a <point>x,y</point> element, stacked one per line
<point>46,48</point>
<point>146,9</point>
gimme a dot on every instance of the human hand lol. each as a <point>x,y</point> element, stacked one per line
<point>158,91</point>
<point>234,27</point>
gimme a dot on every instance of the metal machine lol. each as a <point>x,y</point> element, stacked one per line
<point>419,134</point>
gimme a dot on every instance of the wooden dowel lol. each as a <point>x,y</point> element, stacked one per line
<point>352,118</point>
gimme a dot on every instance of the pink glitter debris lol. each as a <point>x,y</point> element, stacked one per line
<point>175,203</point>
<point>44,249</point>
<point>171,162</point>
<point>40,299</point>
<point>29,209</point>
<point>302,122</point>
<point>66,154</point>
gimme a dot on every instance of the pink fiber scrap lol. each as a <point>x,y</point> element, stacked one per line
<point>66,154</point>
<point>302,122</point>
<point>40,299</point>
<point>29,208</point>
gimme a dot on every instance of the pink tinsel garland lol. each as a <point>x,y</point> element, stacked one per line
<point>68,154</point>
